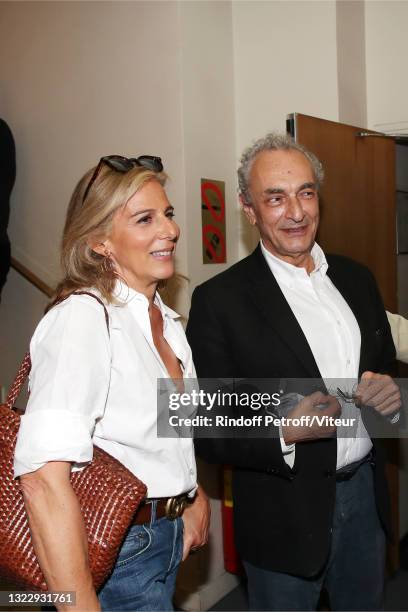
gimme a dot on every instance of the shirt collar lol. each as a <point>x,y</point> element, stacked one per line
<point>287,273</point>
<point>125,295</point>
<point>165,310</point>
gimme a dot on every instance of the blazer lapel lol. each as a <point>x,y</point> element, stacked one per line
<point>269,299</point>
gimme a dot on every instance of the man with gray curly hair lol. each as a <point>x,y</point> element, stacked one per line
<point>310,508</point>
<point>274,142</point>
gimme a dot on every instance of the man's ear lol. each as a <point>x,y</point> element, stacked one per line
<point>248,210</point>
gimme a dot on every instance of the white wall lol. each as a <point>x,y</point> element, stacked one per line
<point>21,308</point>
<point>386,55</point>
<point>207,77</point>
<point>207,89</point>
<point>351,62</point>
<point>285,61</point>
<point>80,80</point>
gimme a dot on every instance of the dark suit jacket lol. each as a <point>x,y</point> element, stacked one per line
<point>7,178</point>
<point>241,325</point>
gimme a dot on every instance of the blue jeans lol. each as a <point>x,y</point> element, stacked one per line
<point>145,572</point>
<point>355,571</point>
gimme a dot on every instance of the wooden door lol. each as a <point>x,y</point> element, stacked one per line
<point>358,196</point>
<point>358,217</point>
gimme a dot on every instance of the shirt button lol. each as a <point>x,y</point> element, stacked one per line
<point>191,471</point>
<point>348,361</point>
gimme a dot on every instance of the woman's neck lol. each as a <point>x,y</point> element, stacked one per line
<point>149,291</point>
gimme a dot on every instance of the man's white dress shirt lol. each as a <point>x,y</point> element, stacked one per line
<point>333,335</point>
<point>87,386</point>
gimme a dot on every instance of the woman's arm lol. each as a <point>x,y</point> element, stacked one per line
<point>58,533</point>
<point>196,519</point>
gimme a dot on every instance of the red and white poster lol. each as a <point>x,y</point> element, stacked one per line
<point>213,221</point>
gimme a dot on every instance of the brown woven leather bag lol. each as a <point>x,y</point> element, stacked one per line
<point>108,493</point>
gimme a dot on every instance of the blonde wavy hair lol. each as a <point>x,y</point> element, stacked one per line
<point>91,221</point>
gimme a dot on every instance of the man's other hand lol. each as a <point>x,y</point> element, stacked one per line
<point>314,405</point>
<point>378,391</point>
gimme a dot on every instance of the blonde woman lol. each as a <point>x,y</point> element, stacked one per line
<point>90,386</point>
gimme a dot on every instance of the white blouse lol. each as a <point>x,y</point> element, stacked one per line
<point>87,386</point>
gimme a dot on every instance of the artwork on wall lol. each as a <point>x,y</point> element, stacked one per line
<point>213,221</point>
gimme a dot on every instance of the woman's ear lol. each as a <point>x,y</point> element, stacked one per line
<point>101,248</point>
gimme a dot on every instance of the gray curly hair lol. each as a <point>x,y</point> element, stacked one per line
<point>273,142</point>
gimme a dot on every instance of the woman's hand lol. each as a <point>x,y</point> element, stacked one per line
<point>196,519</point>
<point>58,533</point>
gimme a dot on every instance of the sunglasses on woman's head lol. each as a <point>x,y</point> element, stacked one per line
<point>124,164</point>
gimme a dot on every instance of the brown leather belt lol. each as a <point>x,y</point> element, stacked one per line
<point>170,507</point>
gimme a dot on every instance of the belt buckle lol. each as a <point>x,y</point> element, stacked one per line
<point>175,506</point>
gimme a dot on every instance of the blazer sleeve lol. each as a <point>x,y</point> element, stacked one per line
<point>378,426</point>
<point>214,358</point>
<point>386,363</point>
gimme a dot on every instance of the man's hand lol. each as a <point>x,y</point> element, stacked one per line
<point>310,429</point>
<point>378,391</point>
<point>196,519</point>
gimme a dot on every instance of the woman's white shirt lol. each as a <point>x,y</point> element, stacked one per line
<point>90,386</point>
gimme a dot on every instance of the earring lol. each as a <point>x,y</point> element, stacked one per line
<point>107,263</point>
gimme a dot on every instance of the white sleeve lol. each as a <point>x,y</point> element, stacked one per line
<point>288,450</point>
<point>399,330</point>
<point>69,382</point>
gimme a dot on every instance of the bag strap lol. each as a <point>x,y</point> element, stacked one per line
<point>92,295</point>
<point>25,366</point>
